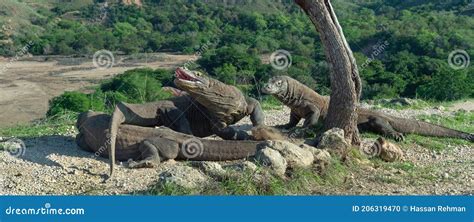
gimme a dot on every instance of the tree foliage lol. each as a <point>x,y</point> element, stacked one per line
<point>402,47</point>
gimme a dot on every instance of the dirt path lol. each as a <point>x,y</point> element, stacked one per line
<point>54,165</point>
<point>27,85</point>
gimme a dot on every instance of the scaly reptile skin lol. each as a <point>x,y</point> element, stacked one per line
<point>208,107</point>
<point>149,146</point>
<point>307,104</point>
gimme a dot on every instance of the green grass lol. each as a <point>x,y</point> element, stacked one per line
<point>45,127</point>
<point>270,103</point>
<point>417,104</point>
<point>301,181</point>
<point>297,181</point>
<point>463,121</point>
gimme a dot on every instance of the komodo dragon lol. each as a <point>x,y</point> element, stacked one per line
<point>208,107</point>
<point>308,104</point>
<point>148,146</point>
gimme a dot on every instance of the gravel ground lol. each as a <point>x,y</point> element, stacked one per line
<point>54,165</point>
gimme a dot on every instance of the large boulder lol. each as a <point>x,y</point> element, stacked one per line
<point>320,155</point>
<point>184,176</point>
<point>322,158</point>
<point>294,155</point>
<point>273,159</point>
<point>391,153</point>
<point>333,141</point>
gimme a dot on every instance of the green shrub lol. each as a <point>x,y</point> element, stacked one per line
<point>75,102</point>
<point>448,84</point>
<point>134,86</point>
<point>138,86</point>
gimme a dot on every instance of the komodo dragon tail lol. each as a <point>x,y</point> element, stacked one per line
<point>117,119</point>
<point>218,150</point>
<point>427,129</point>
<point>215,150</point>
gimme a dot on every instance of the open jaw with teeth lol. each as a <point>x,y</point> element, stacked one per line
<point>185,75</point>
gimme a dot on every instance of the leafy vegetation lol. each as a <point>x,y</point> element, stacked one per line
<point>402,47</point>
<point>133,86</point>
<point>463,121</point>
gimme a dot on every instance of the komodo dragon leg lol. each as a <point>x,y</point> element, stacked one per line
<point>383,127</point>
<point>257,115</point>
<point>155,150</point>
<point>312,118</point>
<point>229,133</point>
<point>80,141</point>
<point>148,114</point>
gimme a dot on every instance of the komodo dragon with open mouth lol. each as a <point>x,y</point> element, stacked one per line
<point>208,107</point>
<point>148,146</point>
<point>308,104</point>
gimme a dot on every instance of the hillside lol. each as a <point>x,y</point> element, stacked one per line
<point>402,47</point>
<point>59,58</point>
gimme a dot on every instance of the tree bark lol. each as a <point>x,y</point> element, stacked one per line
<point>344,75</point>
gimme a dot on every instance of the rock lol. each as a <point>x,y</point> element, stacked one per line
<point>243,166</point>
<point>323,157</point>
<point>313,150</point>
<point>391,152</point>
<point>446,176</point>
<point>183,176</point>
<point>320,155</point>
<point>294,155</point>
<point>333,140</point>
<point>273,159</point>
<point>212,169</point>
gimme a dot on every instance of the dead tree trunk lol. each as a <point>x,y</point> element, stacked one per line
<point>345,80</point>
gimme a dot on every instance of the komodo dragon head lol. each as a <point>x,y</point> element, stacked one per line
<point>213,94</point>
<point>277,85</point>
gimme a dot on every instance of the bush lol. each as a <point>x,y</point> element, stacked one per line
<point>134,86</point>
<point>138,86</point>
<point>74,102</point>
<point>448,84</point>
